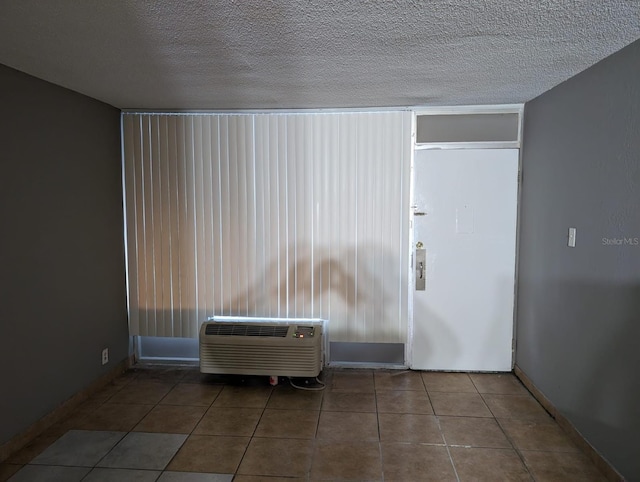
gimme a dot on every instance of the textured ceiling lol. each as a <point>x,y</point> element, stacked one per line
<point>217,54</point>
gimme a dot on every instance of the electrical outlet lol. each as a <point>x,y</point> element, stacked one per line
<point>105,356</point>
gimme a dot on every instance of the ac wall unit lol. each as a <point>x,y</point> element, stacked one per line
<point>291,349</point>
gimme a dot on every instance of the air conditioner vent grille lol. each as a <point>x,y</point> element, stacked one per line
<point>232,329</point>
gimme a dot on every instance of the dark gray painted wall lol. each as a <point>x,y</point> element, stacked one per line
<point>62,276</point>
<point>578,322</point>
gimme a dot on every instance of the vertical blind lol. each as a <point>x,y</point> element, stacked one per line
<point>268,215</point>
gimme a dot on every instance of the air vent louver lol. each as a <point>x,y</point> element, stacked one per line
<point>232,329</point>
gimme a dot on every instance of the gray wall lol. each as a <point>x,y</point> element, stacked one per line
<point>62,276</point>
<point>578,323</point>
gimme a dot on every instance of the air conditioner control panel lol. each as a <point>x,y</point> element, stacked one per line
<point>304,332</point>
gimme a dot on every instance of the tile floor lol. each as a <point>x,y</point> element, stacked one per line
<point>173,424</point>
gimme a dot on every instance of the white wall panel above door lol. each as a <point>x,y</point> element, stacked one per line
<point>270,215</point>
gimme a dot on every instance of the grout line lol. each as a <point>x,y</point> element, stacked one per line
<point>444,439</point>
<point>252,436</point>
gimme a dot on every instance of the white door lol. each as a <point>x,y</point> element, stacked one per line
<point>465,205</point>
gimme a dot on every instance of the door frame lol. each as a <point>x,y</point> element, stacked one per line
<point>415,146</point>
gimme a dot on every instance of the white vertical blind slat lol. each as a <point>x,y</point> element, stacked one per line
<point>207,209</point>
<point>146,229</point>
<point>199,219</point>
<point>172,232</point>
<point>273,215</point>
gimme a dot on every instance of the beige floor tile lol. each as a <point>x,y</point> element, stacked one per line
<point>448,382</point>
<point>561,467</point>
<point>191,394</point>
<point>534,435</point>
<point>522,407</point>
<point>340,401</point>
<point>347,461</point>
<point>210,453</point>
<point>229,421</point>
<point>171,419</point>
<point>415,462</point>
<point>289,398</point>
<point>142,392</point>
<point>473,432</point>
<point>398,380</point>
<point>243,397</point>
<point>459,404</point>
<point>482,464</point>
<point>403,401</point>
<point>348,426</point>
<point>277,457</point>
<point>503,383</point>
<point>409,427</point>
<point>352,380</point>
<point>288,424</point>
<point>195,376</point>
<point>115,416</point>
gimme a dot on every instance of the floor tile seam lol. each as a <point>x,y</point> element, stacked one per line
<point>314,445</point>
<point>465,416</point>
<point>315,433</point>
<point>172,404</point>
<point>126,434</point>
<point>481,446</point>
<point>550,418</point>
<point>444,439</point>
<point>185,405</point>
<point>518,454</point>
<point>385,412</point>
<point>94,466</point>
<point>348,411</point>
<point>486,404</point>
<point>381,459</point>
<point>512,448</point>
<point>125,468</point>
<point>293,409</point>
<point>512,445</point>
<point>423,444</point>
<point>424,384</point>
<point>552,422</point>
<point>195,425</point>
<point>253,433</point>
<point>456,392</point>
<point>63,465</point>
<point>399,390</point>
<point>515,447</point>
<point>375,402</point>
<point>580,452</point>
<point>474,383</point>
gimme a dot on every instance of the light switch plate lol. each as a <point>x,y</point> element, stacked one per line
<point>571,242</point>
